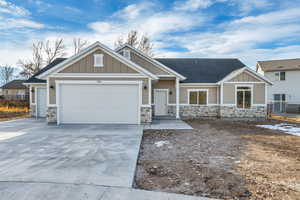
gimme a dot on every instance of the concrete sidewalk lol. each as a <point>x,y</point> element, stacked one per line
<point>168,124</point>
<point>60,191</point>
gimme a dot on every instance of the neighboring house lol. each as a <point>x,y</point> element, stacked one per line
<point>100,85</point>
<point>15,90</point>
<point>284,94</point>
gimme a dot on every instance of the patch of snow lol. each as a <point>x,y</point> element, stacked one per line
<point>286,128</point>
<point>161,143</point>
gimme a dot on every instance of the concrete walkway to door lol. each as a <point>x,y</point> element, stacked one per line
<point>168,124</point>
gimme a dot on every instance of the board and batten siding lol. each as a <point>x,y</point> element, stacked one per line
<point>138,59</point>
<point>244,77</point>
<point>86,65</point>
<point>145,93</point>
<point>258,93</point>
<point>212,94</point>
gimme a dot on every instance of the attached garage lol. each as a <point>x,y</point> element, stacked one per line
<point>108,102</point>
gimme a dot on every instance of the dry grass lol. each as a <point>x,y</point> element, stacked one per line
<point>11,113</point>
<point>14,109</point>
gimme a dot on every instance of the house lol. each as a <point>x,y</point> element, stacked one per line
<point>100,85</point>
<point>284,94</point>
<point>15,90</point>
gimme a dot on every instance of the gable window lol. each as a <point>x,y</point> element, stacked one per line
<point>98,60</point>
<point>126,54</point>
<point>280,76</point>
<point>198,97</point>
<point>243,97</point>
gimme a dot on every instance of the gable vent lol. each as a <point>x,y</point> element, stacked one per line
<point>98,60</point>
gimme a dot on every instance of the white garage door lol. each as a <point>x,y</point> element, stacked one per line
<point>82,103</point>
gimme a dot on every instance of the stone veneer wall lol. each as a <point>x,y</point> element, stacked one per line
<point>51,115</point>
<point>146,114</point>
<point>196,111</point>
<point>32,110</point>
<point>254,112</point>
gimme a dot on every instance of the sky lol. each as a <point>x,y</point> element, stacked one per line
<point>250,30</point>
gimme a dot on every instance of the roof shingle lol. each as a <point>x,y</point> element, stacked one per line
<point>14,84</point>
<point>202,70</point>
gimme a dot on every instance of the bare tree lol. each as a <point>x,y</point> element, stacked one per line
<point>6,73</point>
<point>144,44</point>
<point>79,44</point>
<point>54,50</point>
<point>43,53</point>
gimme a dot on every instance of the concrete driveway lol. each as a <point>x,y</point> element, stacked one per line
<point>32,151</point>
<point>95,162</point>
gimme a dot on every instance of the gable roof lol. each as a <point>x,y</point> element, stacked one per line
<point>153,61</point>
<point>241,70</point>
<point>202,70</point>
<point>96,45</point>
<point>33,79</point>
<point>14,84</point>
<point>278,65</point>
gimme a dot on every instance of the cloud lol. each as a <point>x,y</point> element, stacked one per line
<point>247,6</point>
<point>243,38</point>
<point>193,5</point>
<point>133,11</point>
<point>19,23</point>
<point>259,36</point>
<point>12,9</point>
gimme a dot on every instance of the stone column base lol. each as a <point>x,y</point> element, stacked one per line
<point>146,114</point>
<point>51,115</point>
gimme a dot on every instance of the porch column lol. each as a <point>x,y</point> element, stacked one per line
<point>177,98</point>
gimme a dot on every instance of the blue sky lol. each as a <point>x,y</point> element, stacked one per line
<point>247,29</point>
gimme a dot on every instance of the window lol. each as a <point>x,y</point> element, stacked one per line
<point>198,97</point>
<point>280,76</point>
<point>126,54</point>
<point>279,102</point>
<point>98,60</point>
<point>243,97</point>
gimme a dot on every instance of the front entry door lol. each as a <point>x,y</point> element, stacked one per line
<point>161,102</point>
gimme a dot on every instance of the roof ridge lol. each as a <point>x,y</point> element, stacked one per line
<point>201,58</point>
<point>279,60</point>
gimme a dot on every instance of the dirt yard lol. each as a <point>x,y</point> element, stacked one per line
<point>221,159</point>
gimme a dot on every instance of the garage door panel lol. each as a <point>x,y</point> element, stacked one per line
<point>99,104</point>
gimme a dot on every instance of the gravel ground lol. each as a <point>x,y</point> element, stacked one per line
<point>221,159</point>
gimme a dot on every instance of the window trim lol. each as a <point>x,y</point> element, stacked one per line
<point>198,90</point>
<point>278,78</point>
<point>95,58</point>
<point>235,94</point>
<point>128,53</point>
